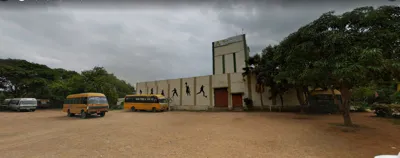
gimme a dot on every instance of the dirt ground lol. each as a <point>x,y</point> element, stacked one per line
<point>50,133</point>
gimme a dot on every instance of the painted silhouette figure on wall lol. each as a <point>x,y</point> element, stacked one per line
<point>202,91</point>
<point>151,91</point>
<point>187,89</point>
<point>140,91</point>
<point>174,91</point>
<point>162,92</point>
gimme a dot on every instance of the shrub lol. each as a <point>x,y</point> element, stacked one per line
<point>359,106</point>
<point>249,103</point>
<point>116,107</point>
<point>386,110</point>
<point>395,98</point>
<point>386,94</point>
<point>2,97</point>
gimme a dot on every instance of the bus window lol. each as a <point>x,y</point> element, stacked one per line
<point>84,100</point>
<point>97,100</point>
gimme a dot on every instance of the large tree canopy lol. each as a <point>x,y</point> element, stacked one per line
<point>20,78</point>
<point>339,51</point>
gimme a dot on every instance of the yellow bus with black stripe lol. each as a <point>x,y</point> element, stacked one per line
<point>86,104</point>
<point>146,103</point>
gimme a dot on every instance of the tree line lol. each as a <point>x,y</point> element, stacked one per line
<point>350,51</point>
<point>20,78</point>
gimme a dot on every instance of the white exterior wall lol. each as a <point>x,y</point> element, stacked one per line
<point>230,56</point>
<point>198,102</point>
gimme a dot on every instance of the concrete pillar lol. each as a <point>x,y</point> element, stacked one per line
<point>230,107</point>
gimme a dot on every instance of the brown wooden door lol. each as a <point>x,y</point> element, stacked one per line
<point>221,97</point>
<point>237,100</point>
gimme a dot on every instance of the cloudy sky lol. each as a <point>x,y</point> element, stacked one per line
<point>143,41</point>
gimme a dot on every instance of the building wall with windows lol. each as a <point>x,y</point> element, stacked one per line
<point>225,88</point>
<point>229,55</point>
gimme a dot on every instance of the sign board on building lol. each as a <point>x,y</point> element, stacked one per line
<point>229,40</point>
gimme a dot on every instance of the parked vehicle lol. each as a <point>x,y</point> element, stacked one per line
<point>86,104</point>
<point>23,104</point>
<point>146,102</point>
<point>43,103</point>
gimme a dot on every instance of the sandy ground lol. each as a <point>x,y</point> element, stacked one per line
<point>49,133</point>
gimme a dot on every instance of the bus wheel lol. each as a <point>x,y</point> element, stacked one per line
<point>83,115</point>
<point>102,114</point>
<point>133,109</point>
<point>154,110</point>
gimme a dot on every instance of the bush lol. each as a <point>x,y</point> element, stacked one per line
<point>386,94</point>
<point>116,107</point>
<point>395,98</point>
<point>386,110</point>
<point>249,103</point>
<point>2,97</point>
<point>359,106</point>
<point>364,94</point>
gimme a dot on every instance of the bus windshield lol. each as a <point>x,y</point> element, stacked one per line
<point>97,100</point>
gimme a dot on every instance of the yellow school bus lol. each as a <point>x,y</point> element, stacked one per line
<point>86,104</point>
<point>145,102</point>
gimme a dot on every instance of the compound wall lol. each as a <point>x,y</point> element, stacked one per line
<point>198,93</point>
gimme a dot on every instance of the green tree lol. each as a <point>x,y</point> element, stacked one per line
<point>23,79</point>
<point>334,51</point>
<point>99,80</point>
<point>19,78</point>
<point>264,67</point>
<point>254,68</point>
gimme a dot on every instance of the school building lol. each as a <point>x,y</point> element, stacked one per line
<point>226,88</point>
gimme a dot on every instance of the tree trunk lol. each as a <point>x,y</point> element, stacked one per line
<point>262,100</point>
<point>335,101</point>
<point>346,94</point>
<point>300,98</point>
<point>307,95</point>
<point>281,97</point>
<point>273,99</point>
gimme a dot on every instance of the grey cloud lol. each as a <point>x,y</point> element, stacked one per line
<point>135,46</point>
<point>142,44</point>
<point>268,22</point>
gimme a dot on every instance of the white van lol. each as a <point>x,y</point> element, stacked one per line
<point>20,104</point>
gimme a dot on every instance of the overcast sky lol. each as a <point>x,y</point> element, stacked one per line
<point>149,41</point>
